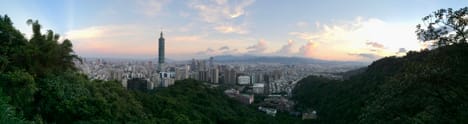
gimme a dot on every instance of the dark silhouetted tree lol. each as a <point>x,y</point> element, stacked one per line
<point>444,27</point>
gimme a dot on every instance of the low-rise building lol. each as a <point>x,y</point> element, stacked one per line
<point>245,98</point>
<point>243,80</point>
<point>258,88</point>
<point>268,111</point>
<point>309,115</point>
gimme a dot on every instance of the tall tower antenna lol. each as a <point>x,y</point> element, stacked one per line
<point>161,51</point>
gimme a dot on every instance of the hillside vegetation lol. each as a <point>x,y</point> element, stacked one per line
<point>429,86</point>
<point>422,87</point>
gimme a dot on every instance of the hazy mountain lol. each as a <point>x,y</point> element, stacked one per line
<point>278,59</point>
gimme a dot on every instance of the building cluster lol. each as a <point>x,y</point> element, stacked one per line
<point>244,80</point>
<point>243,98</point>
<point>140,75</point>
<point>204,70</point>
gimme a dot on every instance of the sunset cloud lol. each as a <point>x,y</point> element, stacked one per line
<point>222,15</point>
<point>375,45</point>
<point>187,38</point>
<point>308,49</point>
<point>260,47</point>
<point>401,51</point>
<point>152,7</point>
<point>219,10</point>
<point>287,48</point>
<point>110,39</point>
<point>224,48</point>
<point>366,56</point>
<point>231,29</point>
<point>208,51</point>
<point>221,51</point>
<point>340,39</point>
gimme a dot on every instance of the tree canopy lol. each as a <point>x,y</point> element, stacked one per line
<point>444,27</point>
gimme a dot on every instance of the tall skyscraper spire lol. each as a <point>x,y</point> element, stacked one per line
<point>161,52</point>
<point>161,33</point>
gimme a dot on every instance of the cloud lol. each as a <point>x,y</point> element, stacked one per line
<point>223,15</point>
<point>152,7</point>
<point>220,10</point>
<point>187,38</point>
<point>367,56</point>
<point>108,40</point>
<point>375,45</point>
<point>221,2</point>
<point>208,51</point>
<point>230,52</point>
<point>184,14</point>
<point>304,35</point>
<point>260,47</point>
<point>308,49</point>
<point>231,29</point>
<point>87,33</point>
<point>340,38</point>
<point>223,48</point>
<point>287,48</point>
<point>401,51</point>
<point>302,24</point>
<point>212,52</point>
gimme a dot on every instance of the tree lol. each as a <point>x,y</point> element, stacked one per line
<point>444,27</point>
<point>7,113</point>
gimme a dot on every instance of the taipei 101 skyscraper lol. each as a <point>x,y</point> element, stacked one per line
<point>161,53</point>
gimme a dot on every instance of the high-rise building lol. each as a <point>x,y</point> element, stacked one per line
<point>214,75</point>
<point>161,52</point>
<point>182,73</point>
<point>194,65</point>
<point>230,76</point>
<point>202,65</point>
<point>211,62</point>
<point>203,75</point>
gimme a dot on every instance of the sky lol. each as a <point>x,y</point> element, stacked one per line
<point>343,30</point>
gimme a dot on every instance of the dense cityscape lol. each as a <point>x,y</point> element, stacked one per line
<point>243,80</point>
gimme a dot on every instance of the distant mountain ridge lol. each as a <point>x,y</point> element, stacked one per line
<point>277,59</point>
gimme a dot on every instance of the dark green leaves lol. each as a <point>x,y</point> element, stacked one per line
<point>444,27</point>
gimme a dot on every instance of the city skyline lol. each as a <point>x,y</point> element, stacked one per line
<point>197,29</point>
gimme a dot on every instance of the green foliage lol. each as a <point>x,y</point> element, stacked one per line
<point>444,26</point>
<point>7,113</point>
<point>70,97</point>
<point>422,87</point>
<point>190,101</point>
<point>21,87</point>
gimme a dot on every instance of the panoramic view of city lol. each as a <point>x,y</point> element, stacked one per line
<point>233,61</point>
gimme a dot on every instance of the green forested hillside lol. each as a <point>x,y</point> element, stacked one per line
<point>422,87</point>
<point>191,101</point>
<point>430,86</point>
